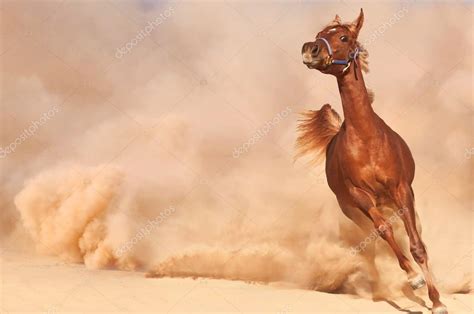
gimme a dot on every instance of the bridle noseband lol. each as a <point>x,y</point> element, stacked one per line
<point>352,56</point>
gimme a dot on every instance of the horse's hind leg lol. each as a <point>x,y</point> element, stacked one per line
<point>386,232</point>
<point>368,205</point>
<point>405,200</point>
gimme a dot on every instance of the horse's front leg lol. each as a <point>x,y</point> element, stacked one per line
<point>404,198</point>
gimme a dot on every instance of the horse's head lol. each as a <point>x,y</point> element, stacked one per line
<point>335,47</point>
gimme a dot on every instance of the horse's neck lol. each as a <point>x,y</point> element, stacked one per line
<point>358,112</point>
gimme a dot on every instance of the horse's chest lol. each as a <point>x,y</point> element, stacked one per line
<point>365,160</point>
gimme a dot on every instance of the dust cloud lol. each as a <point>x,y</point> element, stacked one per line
<point>128,160</point>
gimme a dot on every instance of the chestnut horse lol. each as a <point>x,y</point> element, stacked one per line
<point>368,165</point>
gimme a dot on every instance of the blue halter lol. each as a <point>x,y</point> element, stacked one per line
<point>352,55</point>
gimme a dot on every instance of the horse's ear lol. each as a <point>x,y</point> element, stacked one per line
<point>337,19</point>
<point>357,24</point>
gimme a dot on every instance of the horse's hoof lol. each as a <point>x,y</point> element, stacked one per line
<point>440,310</point>
<point>417,282</point>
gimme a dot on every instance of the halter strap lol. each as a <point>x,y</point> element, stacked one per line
<point>352,55</point>
<point>325,41</point>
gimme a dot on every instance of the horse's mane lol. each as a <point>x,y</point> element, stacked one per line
<point>363,54</point>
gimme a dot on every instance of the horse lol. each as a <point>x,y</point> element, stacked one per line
<point>368,165</point>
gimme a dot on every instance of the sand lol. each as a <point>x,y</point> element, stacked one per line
<point>42,285</point>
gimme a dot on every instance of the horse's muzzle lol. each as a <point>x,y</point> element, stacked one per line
<point>309,52</point>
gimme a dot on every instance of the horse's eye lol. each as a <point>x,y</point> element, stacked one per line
<point>344,39</point>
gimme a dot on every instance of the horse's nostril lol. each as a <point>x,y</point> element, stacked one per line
<point>315,49</point>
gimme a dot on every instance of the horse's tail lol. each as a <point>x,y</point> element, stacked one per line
<point>315,131</point>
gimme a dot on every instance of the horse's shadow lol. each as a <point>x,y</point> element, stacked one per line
<point>397,307</point>
<point>408,292</point>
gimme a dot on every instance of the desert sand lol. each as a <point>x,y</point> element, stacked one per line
<point>42,285</point>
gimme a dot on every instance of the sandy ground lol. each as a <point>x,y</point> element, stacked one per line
<point>44,285</point>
